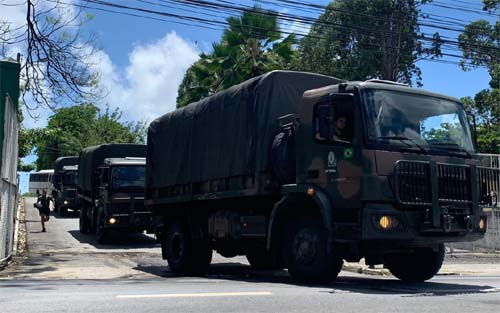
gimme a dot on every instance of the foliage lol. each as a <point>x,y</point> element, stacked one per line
<point>56,64</point>
<point>73,128</point>
<point>480,44</point>
<point>375,39</point>
<point>250,46</point>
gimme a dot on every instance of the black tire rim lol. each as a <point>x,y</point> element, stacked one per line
<point>305,246</point>
<point>176,246</point>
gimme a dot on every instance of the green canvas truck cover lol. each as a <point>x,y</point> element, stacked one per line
<point>64,161</point>
<point>93,157</point>
<point>227,134</point>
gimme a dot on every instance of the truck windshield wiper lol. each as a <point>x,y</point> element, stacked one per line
<point>404,140</point>
<point>452,146</point>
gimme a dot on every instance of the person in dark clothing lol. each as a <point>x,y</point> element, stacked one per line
<point>43,205</point>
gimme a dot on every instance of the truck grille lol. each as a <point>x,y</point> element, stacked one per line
<point>489,185</point>
<point>414,183</point>
<point>454,183</point>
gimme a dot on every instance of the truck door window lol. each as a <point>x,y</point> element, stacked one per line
<point>334,120</point>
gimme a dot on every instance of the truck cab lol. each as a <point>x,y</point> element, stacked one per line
<point>66,197</point>
<point>392,173</point>
<point>120,205</point>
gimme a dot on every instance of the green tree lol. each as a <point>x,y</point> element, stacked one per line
<point>363,39</point>
<point>73,128</point>
<point>480,44</point>
<point>250,46</point>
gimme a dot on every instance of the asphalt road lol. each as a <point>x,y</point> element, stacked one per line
<point>69,272</point>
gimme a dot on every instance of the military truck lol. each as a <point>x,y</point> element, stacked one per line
<point>302,171</point>
<point>59,164</point>
<point>66,195</point>
<point>111,190</point>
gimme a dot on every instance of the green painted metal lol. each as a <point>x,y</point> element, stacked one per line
<point>9,86</point>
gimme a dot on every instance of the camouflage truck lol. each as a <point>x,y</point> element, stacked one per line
<point>57,192</point>
<point>111,190</point>
<point>302,171</point>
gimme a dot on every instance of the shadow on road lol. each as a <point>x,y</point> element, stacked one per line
<point>117,240</point>
<point>344,284</point>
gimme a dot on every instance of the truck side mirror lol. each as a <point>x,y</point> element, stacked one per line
<point>472,122</point>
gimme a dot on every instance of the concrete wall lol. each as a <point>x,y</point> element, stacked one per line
<point>491,240</point>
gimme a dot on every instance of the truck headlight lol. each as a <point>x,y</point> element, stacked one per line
<point>482,224</point>
<point>386,222</point>
<point>112,221</point>
<point>65,202</point>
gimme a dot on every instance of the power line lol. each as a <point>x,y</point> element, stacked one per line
<point>202,22</point>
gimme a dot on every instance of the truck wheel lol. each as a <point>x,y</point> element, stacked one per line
<point>262,260</point>
<point>83,225</point>
<point>416,266</point>
<point>306,252</point>
<point>185,256</point>
<point>62,211</point>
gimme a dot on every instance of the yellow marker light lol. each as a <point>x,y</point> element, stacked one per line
<point>385,222</point>
<point>482,224</point>
<point>310,191</point>
<point>112,220</point>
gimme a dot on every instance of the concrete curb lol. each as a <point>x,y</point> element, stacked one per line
<point>363,269</point>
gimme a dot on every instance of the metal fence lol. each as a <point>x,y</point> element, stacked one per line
<point>8,181</point>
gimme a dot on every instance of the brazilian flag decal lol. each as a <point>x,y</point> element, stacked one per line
<point>348,153</point>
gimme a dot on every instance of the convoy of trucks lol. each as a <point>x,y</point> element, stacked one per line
<point>294,170</point>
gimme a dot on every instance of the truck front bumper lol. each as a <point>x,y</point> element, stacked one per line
<point>384,223</point>
<point>139,221</point>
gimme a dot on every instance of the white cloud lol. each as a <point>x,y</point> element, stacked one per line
<point>147,87</point>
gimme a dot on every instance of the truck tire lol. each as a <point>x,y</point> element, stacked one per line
<point>83,223</point>
<point>62,211</point>
<point>184,255</point>
<point>306,252</point>
<point>262,260</point>
<point>418,265</point>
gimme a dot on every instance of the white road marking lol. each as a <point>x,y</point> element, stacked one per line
<point>196,295</point>
<point>491,290</point>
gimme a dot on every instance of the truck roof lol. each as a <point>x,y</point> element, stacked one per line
<point>377,84</point>
<point>125,161</point>
<point>59,163</point>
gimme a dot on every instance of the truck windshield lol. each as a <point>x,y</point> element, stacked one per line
<point>422,123</point>
<point>128,177</point>
<point>69,178</point>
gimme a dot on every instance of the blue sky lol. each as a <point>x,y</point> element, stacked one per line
<point>142,61</point>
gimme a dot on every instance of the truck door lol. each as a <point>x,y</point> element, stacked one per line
<point>336,163</point>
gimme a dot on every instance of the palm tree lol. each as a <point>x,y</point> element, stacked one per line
<point>251,45</point>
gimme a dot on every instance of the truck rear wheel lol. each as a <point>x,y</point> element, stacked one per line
<point>307,253</point>
<point>184,255</point>
<point>418,265</point>
<point>263,260</point>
